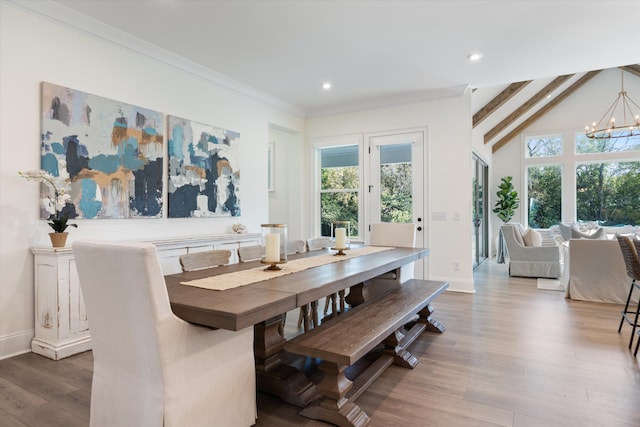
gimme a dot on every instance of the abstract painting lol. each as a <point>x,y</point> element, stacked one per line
<point>109,152</point>
<point>204,171</point>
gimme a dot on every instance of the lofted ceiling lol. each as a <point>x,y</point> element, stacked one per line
<point>374,52</point>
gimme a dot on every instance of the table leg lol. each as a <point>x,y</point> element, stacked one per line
<point>273,376</point>
<point>334,407</point>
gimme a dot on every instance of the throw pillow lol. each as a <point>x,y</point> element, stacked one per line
<point>598,235</point>
<point>532,238</point>
<point>565,231</point>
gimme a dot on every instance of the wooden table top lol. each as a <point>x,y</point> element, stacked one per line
<point>240,307</point>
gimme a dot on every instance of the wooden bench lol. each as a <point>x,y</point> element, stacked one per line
<point>345,339</point>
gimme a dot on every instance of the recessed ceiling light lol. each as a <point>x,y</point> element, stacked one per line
<point>474,56</point>
<point>326,86</point>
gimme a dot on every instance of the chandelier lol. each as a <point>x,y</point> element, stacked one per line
<point>622,107</point>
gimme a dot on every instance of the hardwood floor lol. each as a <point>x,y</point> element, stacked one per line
<point>512,355</point>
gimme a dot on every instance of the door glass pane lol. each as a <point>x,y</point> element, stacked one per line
<point>396,184</point>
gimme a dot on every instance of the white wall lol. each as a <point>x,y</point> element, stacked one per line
<point>285,203</point>
<point>448,183</point>
<point>33,50</point>
<point>584,106</point>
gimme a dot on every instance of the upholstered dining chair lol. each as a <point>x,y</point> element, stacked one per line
<point>250,253</point>
<point>308,316</point>
<point>151,368</point>
<point>199,260</point>
<point>296,246</point>
<point>631,254</point>
<point>401,235</point>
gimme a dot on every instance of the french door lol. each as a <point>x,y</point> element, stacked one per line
<point>396,183</point>
<point>479,227</point>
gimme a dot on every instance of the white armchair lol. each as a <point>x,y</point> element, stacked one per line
<point>530,261</point>
<point>150,367</point>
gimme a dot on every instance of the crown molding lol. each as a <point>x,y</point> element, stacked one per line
<point>59,14</point>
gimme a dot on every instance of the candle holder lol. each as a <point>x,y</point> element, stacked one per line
<point>274,244</point>
<point>341,236</point>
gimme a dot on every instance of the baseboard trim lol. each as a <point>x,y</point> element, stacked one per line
<point>15,344</point>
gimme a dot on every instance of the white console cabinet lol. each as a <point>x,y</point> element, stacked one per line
<point>61,324</point>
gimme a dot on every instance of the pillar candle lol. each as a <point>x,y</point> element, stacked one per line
<point>341,238</point>
<point>272,247</point>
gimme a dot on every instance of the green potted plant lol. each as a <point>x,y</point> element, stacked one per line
<point>505,207</point>
<point>58,221</point>
<point>508,200</point>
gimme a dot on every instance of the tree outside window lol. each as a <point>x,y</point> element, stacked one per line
<point>544,195</point>
<point>608,192</point>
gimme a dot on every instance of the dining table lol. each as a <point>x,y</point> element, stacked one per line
<point>263,303</point>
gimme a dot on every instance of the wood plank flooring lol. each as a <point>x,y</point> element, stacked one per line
<point>512,355</point>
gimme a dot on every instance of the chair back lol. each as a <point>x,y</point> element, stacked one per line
<point>250,253</point>
<point>127,303</point>
<point>393,234</point>
<point>512,236</point>
<point>295,246</point>
<point>317,243</point>
<point>630,253</point>
<point>199,260</point>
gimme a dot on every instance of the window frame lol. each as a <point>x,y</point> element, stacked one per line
<point>332,142</point>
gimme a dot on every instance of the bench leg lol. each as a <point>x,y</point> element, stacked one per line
<point>273,376</point>
<point>432,324</point>
<point>333,406</point>
<point>393,346</point>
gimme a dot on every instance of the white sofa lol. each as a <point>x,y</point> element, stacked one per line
<point>596,271</point>
<point>533,260</point>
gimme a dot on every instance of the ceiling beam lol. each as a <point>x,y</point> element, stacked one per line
<point>498,101</point>
<point>633,69</point>
<point>529,104</point>
<point>544,110</point>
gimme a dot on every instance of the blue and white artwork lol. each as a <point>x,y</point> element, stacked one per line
<point>109,153</point>
<point>204,171</point>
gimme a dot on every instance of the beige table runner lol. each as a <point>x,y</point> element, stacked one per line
<point>236,279</point>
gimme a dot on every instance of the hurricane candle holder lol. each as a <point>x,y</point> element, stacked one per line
<point>274,243</point>
<point>341,236</point>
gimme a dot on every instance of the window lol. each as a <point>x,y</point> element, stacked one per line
<point>592,180</point>
<point>544,180</point>
<point>608,192</point>
<point>544,195</point>
<point>339,187</point>
<point>585,145</point>
<point>543,146</point>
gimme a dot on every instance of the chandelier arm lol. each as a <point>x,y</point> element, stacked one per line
<point>609,112</point>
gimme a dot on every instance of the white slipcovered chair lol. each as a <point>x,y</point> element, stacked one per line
<point>402,235</point>
<point>530,261</point>
<point>150,367</point>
